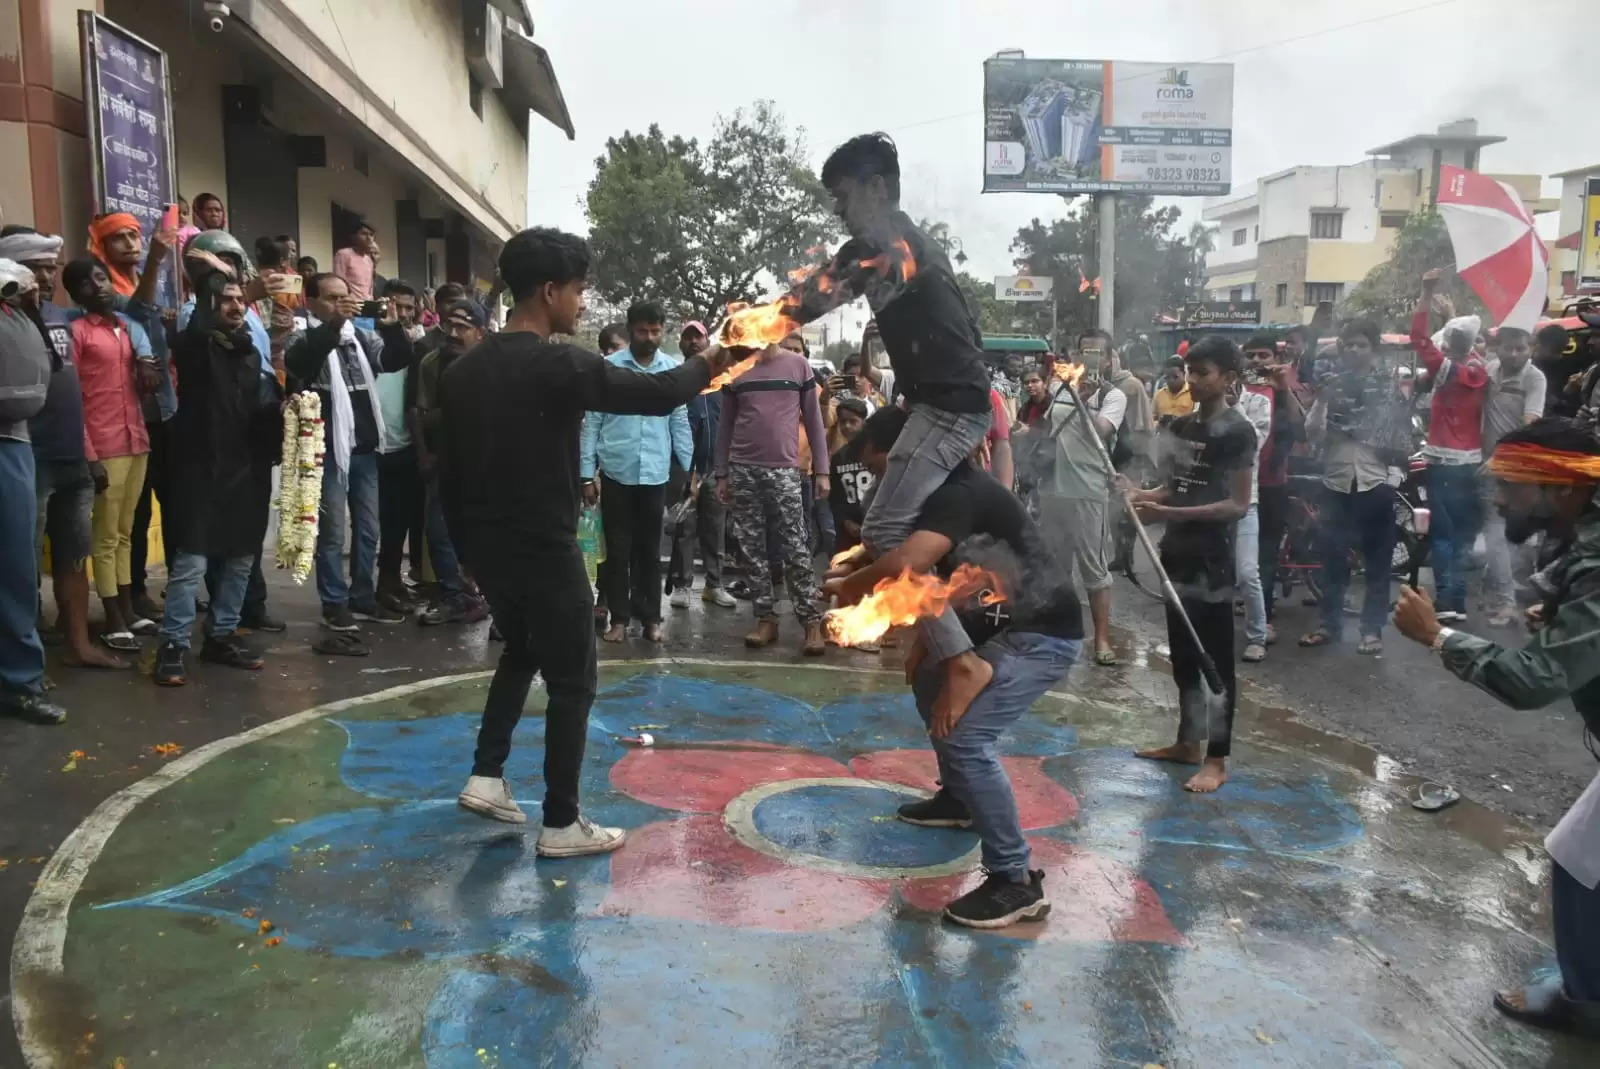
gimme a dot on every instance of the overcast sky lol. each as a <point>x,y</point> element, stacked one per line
<point>1315,82</point>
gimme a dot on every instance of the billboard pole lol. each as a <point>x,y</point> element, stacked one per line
<point>1107,203</point>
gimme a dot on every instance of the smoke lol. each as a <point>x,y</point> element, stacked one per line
<point>1030,585</point>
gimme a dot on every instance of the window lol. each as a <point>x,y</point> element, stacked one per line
<point>1392,220</point>
<point>1283,294</point>
<point>475,95</point>
<point>1327,224</point>
<point>1236,294</point>
<point>1317,292</point>
<point>1238,236</point>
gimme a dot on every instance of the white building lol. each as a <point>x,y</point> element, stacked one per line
<point>1564,250</point>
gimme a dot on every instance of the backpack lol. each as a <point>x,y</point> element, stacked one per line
<point>24,367</point>
<point>1121,449</point>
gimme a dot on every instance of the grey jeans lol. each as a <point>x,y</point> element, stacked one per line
<point>1025,666</point>
<point>932,442</point>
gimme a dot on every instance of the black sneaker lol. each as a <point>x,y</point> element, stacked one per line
<point>943,810</point>
<point>231,651</point>
<point>999,902</point>
<point>339,618</point>
<point>264,622</point>
<point>376,614</point>
<point>34,707</point>
<point>170,670</point>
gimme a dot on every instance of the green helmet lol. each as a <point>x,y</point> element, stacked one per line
<point>218,243</point>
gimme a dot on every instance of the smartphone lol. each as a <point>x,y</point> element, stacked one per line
<point>374,309</point>
<point>169,217</point>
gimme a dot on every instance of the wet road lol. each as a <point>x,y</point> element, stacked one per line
<point>1305,917</point>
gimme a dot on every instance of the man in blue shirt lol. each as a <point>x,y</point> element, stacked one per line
<point>632,457</point>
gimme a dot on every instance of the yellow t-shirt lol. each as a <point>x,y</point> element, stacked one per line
<point>1166,403</point>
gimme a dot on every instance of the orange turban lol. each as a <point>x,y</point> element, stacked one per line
<point>1524,462</point>
<point>124,282</point>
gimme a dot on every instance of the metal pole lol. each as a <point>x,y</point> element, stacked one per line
<point>1055,343</point>
<point>1107,203</point>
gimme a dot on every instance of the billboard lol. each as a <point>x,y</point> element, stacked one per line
<point>1589,239</point>
<point>1106,126</point>
<point>1220,314</point>
<point>1025,288</point>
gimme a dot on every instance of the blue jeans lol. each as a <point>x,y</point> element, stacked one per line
<point>1369,517</point>
<point>361,498</point>
<point>183,587</point>
<point>1247,575</point>
<point>441,551</point>
<point>931,443</point>
<point>1457,518</point>
<point>1025,666</point>
<point>1576,911</point>
<point>21,654</point>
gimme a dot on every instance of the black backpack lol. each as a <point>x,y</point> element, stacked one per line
<point>24,367</point>
<point>1121,451</point>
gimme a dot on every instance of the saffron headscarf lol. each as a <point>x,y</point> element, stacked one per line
<point>124,282</point>
<point>1524,462</point>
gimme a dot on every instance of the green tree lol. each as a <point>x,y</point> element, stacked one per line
<point>697,226</point>
<point>1389,292</point>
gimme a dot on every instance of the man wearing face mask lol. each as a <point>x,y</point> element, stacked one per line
<point>632,458</point>
<point>1515,398</point>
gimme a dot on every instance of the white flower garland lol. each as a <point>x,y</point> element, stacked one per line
<point>300,488</point>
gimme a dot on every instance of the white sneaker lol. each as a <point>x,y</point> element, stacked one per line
<point>680,598</point>
<point>582,836</point>
<point>491,798</point>
<point>718,596</point>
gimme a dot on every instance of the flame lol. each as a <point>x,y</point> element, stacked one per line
<point>1070,374</point>
<point>800,274</point>
<point>752,326</point>
<point>905,600</point>
<point>855,551</point>
<point>899,255</point>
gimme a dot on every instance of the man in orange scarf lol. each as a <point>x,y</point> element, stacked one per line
<point>116,241</point>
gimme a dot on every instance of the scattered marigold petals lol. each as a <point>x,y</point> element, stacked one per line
<point>274,941</point>
<point>247,914</point>
<point>166,749</point>
<point>264,927</point>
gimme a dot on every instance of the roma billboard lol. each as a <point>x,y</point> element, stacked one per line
<point>1107,126</point>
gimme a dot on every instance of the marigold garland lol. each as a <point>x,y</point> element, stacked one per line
<point>300,489</point>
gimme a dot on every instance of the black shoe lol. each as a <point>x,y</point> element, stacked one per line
<point>231,651</point>
<point>999,901</point>
<point>170,670</point>
<point>494,632</point>
<point>397,603</point>
<point>339,618</point>
<point>943,810</point>
<point>34,707</point>
<point>376,614</point>
<point>265,622</point>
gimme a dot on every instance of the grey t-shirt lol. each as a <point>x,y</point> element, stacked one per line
<point>1512,400</point>
<point>1081,470</point>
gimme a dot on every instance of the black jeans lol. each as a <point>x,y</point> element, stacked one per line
<point>707,532</point>
<point>1272,509</point>
<point>255,591</point>
<point>632,517</point>
<point>155,485</point>
<point>542,606</point>
<point>1199,720</point>
<point>400,515</point>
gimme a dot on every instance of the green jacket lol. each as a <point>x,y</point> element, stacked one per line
<point>1563,658</point>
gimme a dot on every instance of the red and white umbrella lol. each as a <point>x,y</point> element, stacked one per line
<point>1498,251</point>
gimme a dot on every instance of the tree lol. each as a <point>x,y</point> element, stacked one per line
<point>1389,292</point>
<point>1155,270</point>
<point>697,226</point>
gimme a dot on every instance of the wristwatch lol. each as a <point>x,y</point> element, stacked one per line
<point>1440,639</point>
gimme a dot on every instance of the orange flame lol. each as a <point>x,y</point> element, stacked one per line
<point>1070,374</point>
<point>898,256</point>
<point>800,274</point>
<point>752,326</point>
<point>907,599</point>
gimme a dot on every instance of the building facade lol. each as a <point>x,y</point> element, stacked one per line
<point>1564,250</point>
<point>1308,234</point>
<point>307,117</point>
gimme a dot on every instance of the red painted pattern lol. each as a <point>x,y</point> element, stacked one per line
<point>1041,801</point>
<point>706,780</point>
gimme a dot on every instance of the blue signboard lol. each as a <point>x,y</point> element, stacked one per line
<point>130,127</point>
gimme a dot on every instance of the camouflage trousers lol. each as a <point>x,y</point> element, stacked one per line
<point>772,497</point>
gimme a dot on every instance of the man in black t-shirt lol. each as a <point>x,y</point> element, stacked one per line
<point>1029,637</point>
<point>1206,460</point>
<point>852,482</point>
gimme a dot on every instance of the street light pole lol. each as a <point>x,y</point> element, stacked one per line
<point>1107,203</point>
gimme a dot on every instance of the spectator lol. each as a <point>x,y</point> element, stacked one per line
<point>1359,504</point>
<point>25,372</point>
<point>1515,398</point>
<point>62,481</point>
<point>850,480</point>
<point>464,323</point>
<point>339,360</point>
<point>118,243</point>
<point>1455,446</point>
<point>997,443</point>
<point>225,439</point>
<point>632,457</point>
<point>1172,399</point>
<point>852,378</point>
<point>709,530</point>
<point>306,266</point>
<point>1300,354</point>
<point>400,496</point>
<point>1269,376</point>
<point>758,474</point>
<point>1254,403</point>
<point>209,213</point>
<point>186,228</point>
<point>291,249</point>
<point>1552,357</point>
<point>115,366</point>
<point>613,338</point>
<point>1037,398</point>
<point>358,264</point>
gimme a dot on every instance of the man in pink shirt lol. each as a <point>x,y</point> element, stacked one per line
<point>358,263</point>
<point>1455,446</point>
<point>757,465</point>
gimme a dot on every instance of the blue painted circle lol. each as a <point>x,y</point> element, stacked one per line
<point>855,825</point>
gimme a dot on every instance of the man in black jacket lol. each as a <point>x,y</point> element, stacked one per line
<point>508,477</point>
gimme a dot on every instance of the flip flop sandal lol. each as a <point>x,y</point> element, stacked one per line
<point>1543,1005</point>
<point>1370,646</point>
<point>1435,796</point>
<point>143,626</point>
<point>121,641</point>
<point>1105,658</point>
<point>1316,638</point>
<point>340,645</point>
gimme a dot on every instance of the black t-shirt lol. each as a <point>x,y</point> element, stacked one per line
<point>990,528</point>
<point>1198,459</point>
<point>847,491</point>
<point>57,431</point>
<point>929,332</point>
